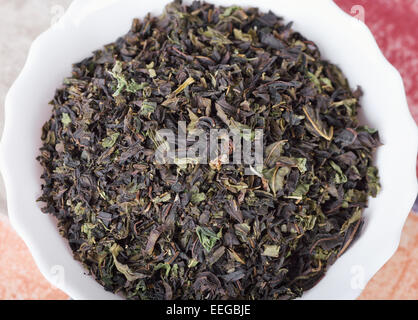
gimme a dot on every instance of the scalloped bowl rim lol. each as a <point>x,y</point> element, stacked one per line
<point>364,64</point>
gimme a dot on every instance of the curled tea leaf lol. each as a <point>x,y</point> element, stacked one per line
<point>147,108</point>
<point>276,178</point>
<point>123,268</point>
<point>340,177</point>
<point>198,197</point>
<point>317,125</point>
<point>354,218</point>
<point>373,181</point>
<point>301,190</point>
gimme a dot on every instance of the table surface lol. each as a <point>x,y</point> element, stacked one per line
<point>395,26</point>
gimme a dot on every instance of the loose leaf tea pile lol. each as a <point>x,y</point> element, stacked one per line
<point>207,231</point>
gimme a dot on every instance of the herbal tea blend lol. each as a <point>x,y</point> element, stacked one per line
<point>152,216</point>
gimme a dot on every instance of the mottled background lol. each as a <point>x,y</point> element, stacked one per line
<point>394,24</point>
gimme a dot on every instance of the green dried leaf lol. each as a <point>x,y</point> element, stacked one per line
<point>366,128</point>
<point>314,79</point>
<point>131,86</point>
<point>134,87</point>
<point>117,68</point>
<point>355,196</point>
<point>242,230</point>
<point>301,190</point>
<point>228,11</point>
<point>163,198</point>
<point>271,251</point>
<point>354,218</point>
<point>139,291</point>
<point>235,187</point>
<point>152,73</point>
<point>147,108</point>
<point>165,266</point>
<point>307,222</point>
<point>79,209</point>
<point>273,153</point>
<point>123,268</point>
<point>192,263</point>
<point>316,125</point>
<point>347,102</point>
<point>239,35</point>
<point>340,177</point>
<point>327,84</point>
<point>87,228</point>
<point>102,194</point>
<point>216,36</point>
<point>207,237</point>
<point>122,83</point>
<point>276,178</point>
<point>373,181</point>
<point>198,197</point>
<point>66,120</point>
<point>301,164</point>
<point>321,254</point>
<point>110,141</point>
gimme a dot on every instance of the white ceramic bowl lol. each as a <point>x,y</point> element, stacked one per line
<point>89,24</point>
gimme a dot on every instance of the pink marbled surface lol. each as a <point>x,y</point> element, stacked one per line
<point>19,276</point>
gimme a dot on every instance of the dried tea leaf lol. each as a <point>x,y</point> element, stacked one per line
<point>163,198</point>
<point>301,164</point>
<point>198,197</point>
<point>276,178</point>
<point>301,190</point>
<point>65,120</point>
<point>216,37</point>
<point>273,153</point>
<point>271,251</point>
<point>340,177</point>
<point>354,218</point>
<point>207,237</point>
<point>110,141</point>
<point>373,181</point>
<point>123,268</point>
<point>317,124</point>
<point>239,35</point>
